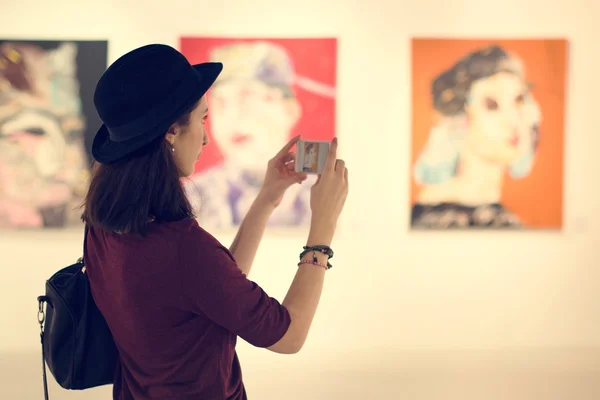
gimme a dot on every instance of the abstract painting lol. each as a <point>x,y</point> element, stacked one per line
<point>47,123</point>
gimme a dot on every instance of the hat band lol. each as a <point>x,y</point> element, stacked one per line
<point>157,114</point>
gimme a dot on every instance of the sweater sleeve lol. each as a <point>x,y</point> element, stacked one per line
<point>214,286</point>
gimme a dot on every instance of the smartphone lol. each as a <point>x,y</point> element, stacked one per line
<point>311,156</point>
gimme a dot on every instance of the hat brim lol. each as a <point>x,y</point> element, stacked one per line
<point>106,151</point>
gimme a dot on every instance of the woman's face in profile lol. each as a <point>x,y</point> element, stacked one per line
<point>188,142</point>
<point>500,126</point>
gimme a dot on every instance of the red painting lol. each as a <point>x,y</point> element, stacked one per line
<point>269,91</point>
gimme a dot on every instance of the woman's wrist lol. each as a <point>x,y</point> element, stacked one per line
<point>320,235</point>
<point>265,201</point>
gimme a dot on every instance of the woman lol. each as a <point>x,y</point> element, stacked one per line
<point>488,124</point>
<point>175,298</point>
<point>310,158</point>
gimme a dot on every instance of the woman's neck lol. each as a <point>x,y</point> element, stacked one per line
<point>477,181</point>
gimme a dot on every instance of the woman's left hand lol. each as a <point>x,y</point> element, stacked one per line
<point>280,175</point>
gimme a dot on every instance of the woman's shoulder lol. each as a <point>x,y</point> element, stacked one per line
<point>187,226</point>
<point>184,234</point>
<point>191,232</point>
<point>194,243</point>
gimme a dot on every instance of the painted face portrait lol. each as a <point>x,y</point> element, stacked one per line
<point>255,106</point>
<point>310,158</point>
<point>252,107</point>
<point>250,120</point>
<point>501,113</point>
<point>485,131</point>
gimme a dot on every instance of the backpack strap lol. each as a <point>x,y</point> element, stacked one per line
<point>41,319</point>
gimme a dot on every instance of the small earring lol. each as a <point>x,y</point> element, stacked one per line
<point>173,149</point>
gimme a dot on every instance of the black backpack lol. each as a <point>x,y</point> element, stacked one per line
<point>77,344</point>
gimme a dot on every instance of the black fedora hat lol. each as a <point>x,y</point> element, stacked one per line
<point>142,94</point>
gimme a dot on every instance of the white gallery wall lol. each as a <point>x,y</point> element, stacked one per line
<point>391,290</point>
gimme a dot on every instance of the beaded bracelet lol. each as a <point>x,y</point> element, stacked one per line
<point>313,263</point>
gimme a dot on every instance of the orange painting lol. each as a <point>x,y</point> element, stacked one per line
<point>488,122</point>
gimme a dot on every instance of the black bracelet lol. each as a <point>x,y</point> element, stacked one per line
<point>321,249</point>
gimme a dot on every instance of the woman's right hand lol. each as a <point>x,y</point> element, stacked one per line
<point>328,196</point>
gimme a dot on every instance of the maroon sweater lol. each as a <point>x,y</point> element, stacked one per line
<point>175,302</point>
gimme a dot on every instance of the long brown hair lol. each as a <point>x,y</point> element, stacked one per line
<point>146,187</point>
